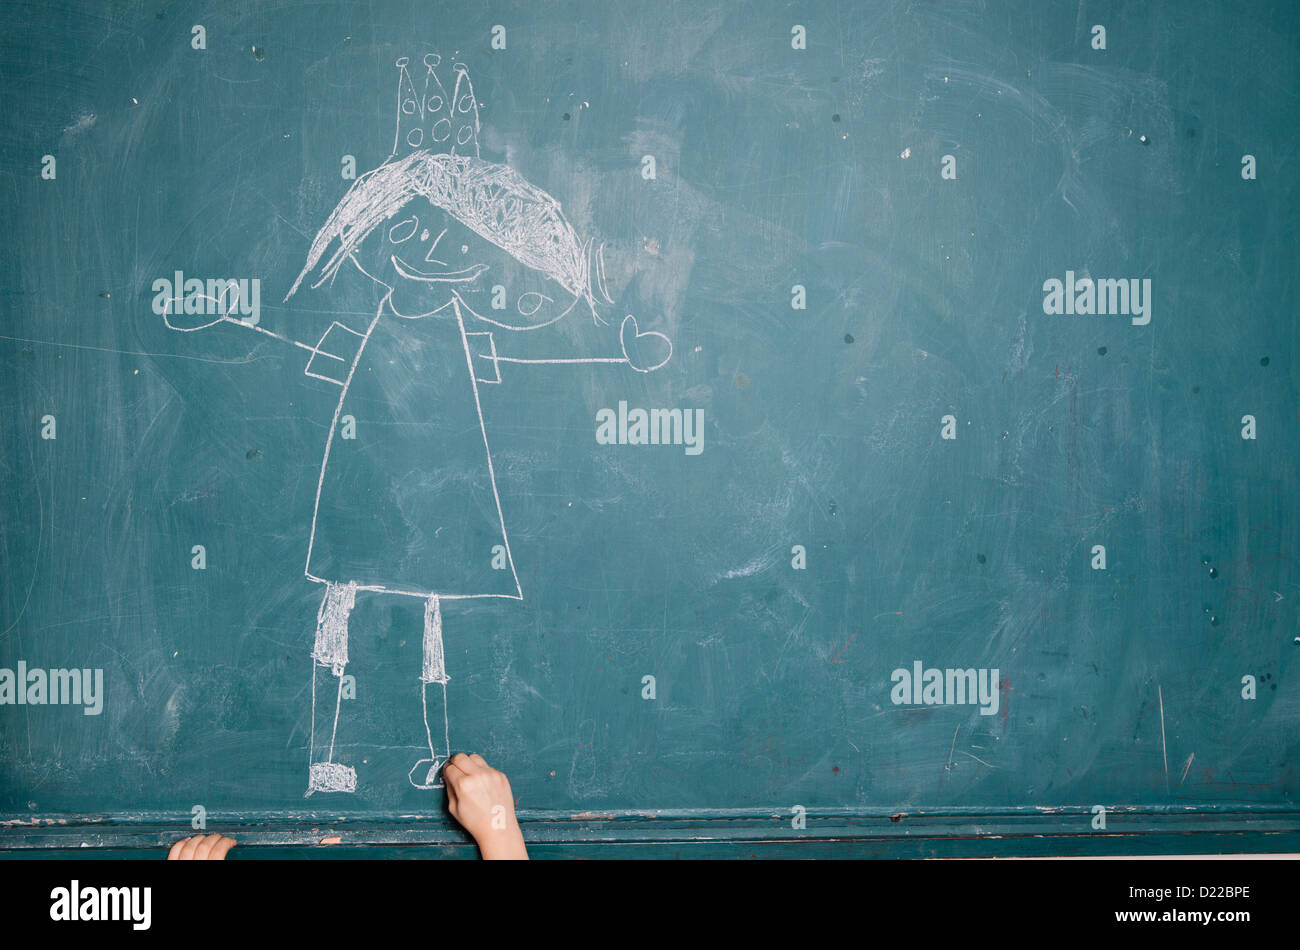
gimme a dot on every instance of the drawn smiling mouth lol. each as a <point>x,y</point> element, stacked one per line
<point>449,276</point>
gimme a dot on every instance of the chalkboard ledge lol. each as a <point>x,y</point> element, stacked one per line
<point>826,833</point>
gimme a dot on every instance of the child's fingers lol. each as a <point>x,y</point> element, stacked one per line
<point>201,845</point>
<point>209,846</point>
<point>452,777</point>
<point>205,847</point>
<point>213,847</point>
<point>463,762</point>
<point>462,765</point>
<point>479,760</point>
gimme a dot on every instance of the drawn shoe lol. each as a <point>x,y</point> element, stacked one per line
<point>331,777</point>
<point>427,773</point>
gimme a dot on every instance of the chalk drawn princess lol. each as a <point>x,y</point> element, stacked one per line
<point>413,510</point>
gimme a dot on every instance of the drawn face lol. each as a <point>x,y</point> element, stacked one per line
<point>427,256</point>
<point>420,252</point>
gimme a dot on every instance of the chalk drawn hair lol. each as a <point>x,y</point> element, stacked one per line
<point>494,201</point>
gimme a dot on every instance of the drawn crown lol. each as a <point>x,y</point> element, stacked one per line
<point>430,116</point>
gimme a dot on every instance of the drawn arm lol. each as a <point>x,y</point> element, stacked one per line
<point>324,363</point>
<point>643,351</point>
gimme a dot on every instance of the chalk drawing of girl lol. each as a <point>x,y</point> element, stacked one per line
<point>412,509</point>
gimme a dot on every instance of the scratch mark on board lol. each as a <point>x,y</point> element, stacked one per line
<point>977,759</point>
<point>105,349</point>
<point>836,657</point>
<point>1163,747</point>
<point>1186,768</point>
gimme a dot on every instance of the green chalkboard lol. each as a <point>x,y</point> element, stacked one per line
<point>734,421</point>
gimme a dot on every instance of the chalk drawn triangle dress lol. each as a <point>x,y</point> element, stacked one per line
<point>409,505</point>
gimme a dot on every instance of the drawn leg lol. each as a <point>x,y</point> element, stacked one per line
<point>330,653</point>
<point>427,773</point>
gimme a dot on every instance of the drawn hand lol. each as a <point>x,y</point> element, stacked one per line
<point>479,797</point>
<point>647,351</point>
<point>214,310</point>
<point>211,847</point>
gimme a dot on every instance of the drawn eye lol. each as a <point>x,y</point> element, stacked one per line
<point>402,230</point>
<point>529,303</point>
<point>464,248</point>
<point>424,235</point>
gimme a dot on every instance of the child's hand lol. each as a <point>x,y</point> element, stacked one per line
<point>479,798</point>
<point>211,847</point>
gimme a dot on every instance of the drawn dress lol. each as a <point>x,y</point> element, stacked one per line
<point>409,503</point>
